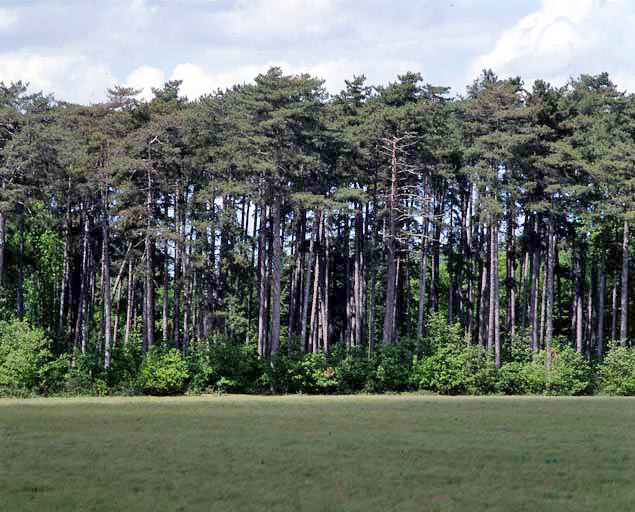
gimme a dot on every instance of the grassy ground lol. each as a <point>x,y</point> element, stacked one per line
<point>296,453</point>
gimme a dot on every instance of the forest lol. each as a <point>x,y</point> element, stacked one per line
<point>274,237</point>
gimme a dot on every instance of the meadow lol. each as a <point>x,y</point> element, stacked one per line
<point>317,453</point>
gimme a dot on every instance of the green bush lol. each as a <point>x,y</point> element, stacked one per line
<point>354,371</point>
<point>617,371</point>
<point>444,371</point>
<point>309,373</point>
<point>570,374</point>
<point>24,355</point>
<point>455,370</point>
<point>164,371</point>
<point>440,334</point>
<point>393,368</point>
<point>225,366</point>
<point>518,378</point>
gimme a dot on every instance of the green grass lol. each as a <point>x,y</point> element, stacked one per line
<point>295,453</point>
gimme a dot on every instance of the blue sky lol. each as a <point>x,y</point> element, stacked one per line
<point>78,48</point>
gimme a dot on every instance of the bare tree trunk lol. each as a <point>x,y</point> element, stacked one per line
<point>496,295</point>
<point>20,287</point>
<point>601,292</point>
<point>614,312</point>
<point>276,277</point>
<point>129,302</point>
<point>187,304</point>
<point>423,269</point>
<point>493,275</point>
<point>296,295</point>
<point>3,229</point>
<point>483,321</point>
<point>534,272</point>
<point>510,283</point>
<point>315,320</point>
<point>65,273</point>
<point>578,300</point>
<point>262,266</point>
<point>149,270</point>
<point>359,264</point>
<point>81,305</point>
<point>391,257</point>
<point>624,289</point>
<point>551,243</point>
<point>105,261</point>
<point>543,306</point>
<point>165,333</point>
<point>325,291</point>
<point>590,335</point>
<point>307,283</point>
<point>176,282</point>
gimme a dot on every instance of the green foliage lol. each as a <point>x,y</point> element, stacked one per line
<point>440,334</point>
<point>310,373</point>
<point>164,371</point>
<point>570,374</point>
<point>517,378</point>
<point>125,363</point>
<point>354,371</point>
<point>393,366</point>
<point>225,366</point>
<point>455,370</point>
<point>617,371</point>
<point>24,355</point>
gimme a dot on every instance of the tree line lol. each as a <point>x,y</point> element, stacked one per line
<point>276,215</point>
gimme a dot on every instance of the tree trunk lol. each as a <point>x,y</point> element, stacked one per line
<point>493,275</point>
<point>484,296</point>
<point>551,243</point>
<point>276,277</point>
<point>495,303</point>
<point>578,300</point>
<point>624,289</point>
<point>264,278</point>
<point>105,261</point>
<point>601,292</point>
<point>391,257</point>
<point>357,278</point>
<point>149,336</point>
<point>82,303</point>
<point>307,284</point>
<point>3,222</point>
<point>129,302</point>
<point>65,273</point>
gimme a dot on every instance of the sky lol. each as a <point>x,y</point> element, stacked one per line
<point>76,49</point>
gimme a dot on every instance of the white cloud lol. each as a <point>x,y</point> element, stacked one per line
<point>80,80</point>
<point>198,81</point>
<point>145,78</point>
<point>8,19</point>
<point>563,39</point>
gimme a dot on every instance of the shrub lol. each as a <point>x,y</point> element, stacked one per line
<point>354,371</point>
<point>440,334</point>
<point>570,374</point>
<point>308,373</point>
<point>517,378</point>
<point>125,363</point>
<point>393,368</point>
<point>444,371</point>
<point>480,371</point>
<point>163,372</point>
<point>226,366</point>
<point>617,371</point>
<point>24,354</point>
<point>454,370</point>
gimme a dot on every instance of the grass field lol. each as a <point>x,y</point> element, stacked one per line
<point>295,453</point>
